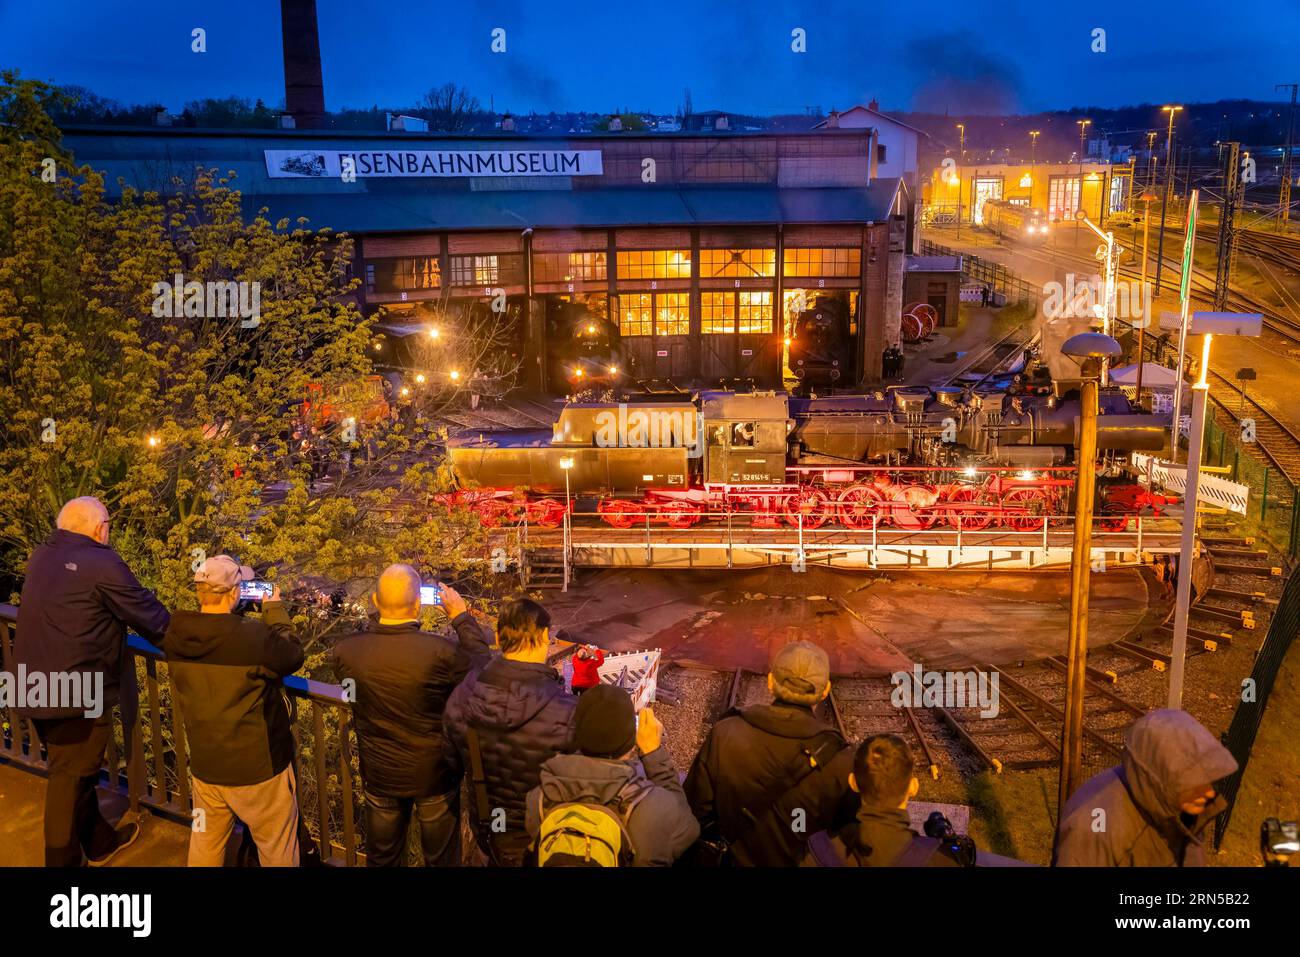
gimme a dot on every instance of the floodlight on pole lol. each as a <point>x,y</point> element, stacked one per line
<point>1109,287</point>
<point>1091,350</point>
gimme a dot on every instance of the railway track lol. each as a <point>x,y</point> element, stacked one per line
<point>993,359</point>
<point>1277,443</point>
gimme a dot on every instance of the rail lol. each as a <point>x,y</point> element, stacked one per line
<point>148,756</point>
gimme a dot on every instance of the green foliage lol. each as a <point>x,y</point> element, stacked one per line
<point>89,374</point>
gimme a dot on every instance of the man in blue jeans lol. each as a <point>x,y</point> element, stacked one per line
<point>399,678</point>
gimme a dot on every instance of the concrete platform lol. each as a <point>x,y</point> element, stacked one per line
<point>871,623</point>
<point>22,814</point>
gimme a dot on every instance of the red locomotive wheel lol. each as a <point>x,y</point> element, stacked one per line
<point>812,504</point>
<point>546,512</point>
<point>1029,504</point>
<point>1113,523</point>
<point>680,514</point>
<point>490,513</point>
<point>968,519</point>
<point>926,312</point>
<point>927,324</point>
<point>912,327</point>
<point>620,513</point>
<point>913,507</point>
<point>858,503</point>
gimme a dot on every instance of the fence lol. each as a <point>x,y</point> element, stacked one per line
<point>1240,736</point>
<point>994,275</point>
<point>148,758</point>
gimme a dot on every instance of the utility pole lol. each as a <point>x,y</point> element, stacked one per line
<point>1226,252</point>
<point>1284,191</point>
<point>1033,160</point>
<point>1164,205</point>
<point>1151,160</point>
<point>1083,132</point>
<point>1148,303</point>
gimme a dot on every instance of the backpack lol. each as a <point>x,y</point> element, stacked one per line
<point>586,834</point>
<point>828,851</point>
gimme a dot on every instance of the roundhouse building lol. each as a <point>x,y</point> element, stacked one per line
<point>694,245</point>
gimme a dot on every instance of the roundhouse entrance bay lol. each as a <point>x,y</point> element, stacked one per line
<point>692,251</point>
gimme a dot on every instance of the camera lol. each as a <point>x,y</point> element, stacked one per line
<point>961,846</point>
<point>1277,841</point>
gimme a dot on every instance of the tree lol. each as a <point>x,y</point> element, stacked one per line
<point>449,108</point>
<point>187,423</point>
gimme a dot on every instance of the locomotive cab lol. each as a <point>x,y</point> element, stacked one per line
<point>746,437</point>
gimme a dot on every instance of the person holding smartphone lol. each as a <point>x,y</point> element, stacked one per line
<point>401,679</point>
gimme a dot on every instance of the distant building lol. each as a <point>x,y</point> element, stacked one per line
<point>1052,187</point>
<point>401,123</point>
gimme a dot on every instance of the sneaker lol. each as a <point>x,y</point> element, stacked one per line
<point>127,835</point>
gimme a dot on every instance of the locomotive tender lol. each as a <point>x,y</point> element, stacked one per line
<point>910,458</point>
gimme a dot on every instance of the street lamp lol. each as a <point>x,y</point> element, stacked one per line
<point>1091,350</point>
<point>1033,158</point>
<point>961,134</point>
<point>1208,324</point>
<point>1164,204</point>
<point>1147,198</point>
<point>566,465</point>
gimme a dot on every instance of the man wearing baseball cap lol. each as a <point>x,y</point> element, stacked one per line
<point>761,766</point>
<point>227,671</point>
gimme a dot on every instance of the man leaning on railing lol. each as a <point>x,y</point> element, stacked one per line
<point>78,600</point>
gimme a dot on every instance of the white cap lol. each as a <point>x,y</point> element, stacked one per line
<point>223,573</point>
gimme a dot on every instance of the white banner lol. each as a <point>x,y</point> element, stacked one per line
<point>321,164</point>
<point>635,672</point>
<point>1210,488</point>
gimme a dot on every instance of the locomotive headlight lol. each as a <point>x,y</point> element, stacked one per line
<point>591,330</point>
<point>419,379</point>
<point>577,373</point>
<point>613,370</point>
<point>969,471</point>
<point>455,374</point>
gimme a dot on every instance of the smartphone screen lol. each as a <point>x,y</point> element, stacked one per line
<point>255,590</point>
<point>430,595</point>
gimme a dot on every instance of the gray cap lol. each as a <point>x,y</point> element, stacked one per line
<point>800,672</point>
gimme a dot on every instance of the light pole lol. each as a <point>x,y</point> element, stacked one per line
<point>1033,161</point>
<point>1083,133</point>
<point>1090,350</point>
<point>1151,160</point>
<point>1184,310</point>
<point>1147,198</point>
<point>1111,267</point>
<point>1164,204</point>
<point>566,465</point>
<point>961,134</point>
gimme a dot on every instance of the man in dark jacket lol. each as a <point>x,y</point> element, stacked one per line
<point>228,673</point>
<point>78,600</point>
<point>401,678</point>
<point>770,775</point>
<point>505,721</point>
<point>644,793</point>
<point>1152,809</point>
<point>881,835</point>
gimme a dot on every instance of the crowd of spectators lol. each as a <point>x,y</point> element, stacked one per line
<point>557,773</point>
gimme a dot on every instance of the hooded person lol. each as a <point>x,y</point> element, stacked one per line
<point>763,767</point>
<point>618,765</point>
<point>1151,810</point>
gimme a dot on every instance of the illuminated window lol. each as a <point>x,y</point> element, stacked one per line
<point>755,312</point>
<point>717,312</point>
<point>655,264</point>
<point>1062,197</point>
<point>672,314</point>
<point>475,270</point>
<point>737,263</point>
<point>569,267</point>
<point>634,313</point>
<point>1118,194</point>
<point>397,275</point>
<point>823,262</point>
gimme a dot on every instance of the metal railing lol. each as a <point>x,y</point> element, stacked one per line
<point>1240,736</point>
<point>994,275</point>
<point>147,757</point>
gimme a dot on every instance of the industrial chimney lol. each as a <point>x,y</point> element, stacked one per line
<point>304,90</point>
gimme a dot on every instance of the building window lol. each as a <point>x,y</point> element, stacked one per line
<point>655,264</point>
<point>737,263</point>
<point>880,152</point>
<point>1062,197</point>
<point>673,314</point>
<point>746,312</point>
<point>1118,194</point>
<point>634,313</point>
<point>475,270</point>
<point>755,312</point>
<point>569,267</point>
<point>401,275</point>
<point>824,262</point>
<point>717,313</point>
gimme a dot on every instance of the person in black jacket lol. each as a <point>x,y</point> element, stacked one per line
<point>227,672</point>
<point>77,602</point>
<point>770,775</point>
<point>504,722</point>
<point>881,835</point>
<point>401,679</point>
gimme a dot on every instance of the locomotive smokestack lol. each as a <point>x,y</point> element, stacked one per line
<point>304,90</point>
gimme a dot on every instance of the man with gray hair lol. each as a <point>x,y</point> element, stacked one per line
<point>78,600</point>
<point>770,775</point>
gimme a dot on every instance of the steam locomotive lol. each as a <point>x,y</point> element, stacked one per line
<point>585,352</point>
<point>819,340</point>
<point>911,458</point>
